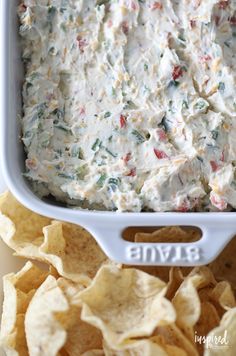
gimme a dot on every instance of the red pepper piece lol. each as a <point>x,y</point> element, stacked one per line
<point>177,72</point>
<point>184,207</point>
<point>125,27</point>
<point>160,154</point>
<point>206,58</point>
<point>162,135</point>
<point>214,166</point>
<point>132,173</point>
<point>127,158</point>
<point>219,203</point>
<point>123,121</point>
<point>133,6</point>
<point>193,23</point>
<point>157,6</point>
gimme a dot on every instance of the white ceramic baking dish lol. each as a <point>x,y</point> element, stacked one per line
<point>106,227</point>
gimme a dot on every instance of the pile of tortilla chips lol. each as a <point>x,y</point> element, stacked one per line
<point>73,301</point>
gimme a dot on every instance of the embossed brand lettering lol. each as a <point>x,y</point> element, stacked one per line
<point>163,253</point>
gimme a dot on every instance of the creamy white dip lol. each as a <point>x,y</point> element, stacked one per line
<point>131,105</point>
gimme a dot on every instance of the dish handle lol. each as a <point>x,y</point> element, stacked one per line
<point>201,252</point>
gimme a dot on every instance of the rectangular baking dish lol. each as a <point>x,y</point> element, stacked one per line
<point>106,227</point>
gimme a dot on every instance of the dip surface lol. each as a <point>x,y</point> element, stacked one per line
<point>131,105</point>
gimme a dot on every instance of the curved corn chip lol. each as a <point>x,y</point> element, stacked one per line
<point>222,339</point>
<point>169,234</point>
<point>44,333</point>
<point>171,350</point>
<point>19,289</point>
<point>172,335</point>
<point>175,280</point>
<point>223,294</point>
<point>125,303</point>
<point>15,229</point>
<point>69,248</point>
<point>53,321</point>
<point>72,251</point>
<point>166,234</point>
<point>186,300</point>
<point>137,348</point>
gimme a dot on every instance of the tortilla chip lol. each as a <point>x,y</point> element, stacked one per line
<point>174,336</point>
<point>160,272</point>
<point>44,333</point>
<point>53,321</point>
<point>19,289</point>
<point>221,296</point>
<point>175,280</point>
<point>125,303</point>
<point>166,234</point>
<point>20,228</point>
<point>169,234</point>
<point>69,248</point>
<point>82,337</point>
<point>222,339</point>
<point>224,295</point>
<point>171,350</point>
<point>138,348</point>
<point>72,251</point>
<point>186,300</point>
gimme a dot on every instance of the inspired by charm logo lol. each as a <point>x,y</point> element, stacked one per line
<point>213,341</point>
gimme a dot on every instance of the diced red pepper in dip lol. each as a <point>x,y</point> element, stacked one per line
<point>133,6</point>
<point>193,23</point>
<point>184,207</point>
<point>125,27</point>
<point>157,6</point>
<point>123,121</point>
<point>161,134</point>
<point>177,72</point>
<point>219,203</point>
<point>132,173</point>
<point>206,58</point>
<point>214,166</point>
<point>160,154</point>
<point>127,158</point>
